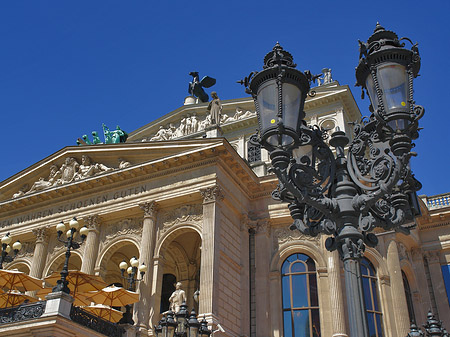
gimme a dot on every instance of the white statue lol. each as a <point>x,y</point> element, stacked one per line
<point>177,298</point>
<point>240,114</point>
<point>123,163</point>
<point>326,76</point>
<point>160,135</point>
<point>88,169</point>
<point>194,123</point>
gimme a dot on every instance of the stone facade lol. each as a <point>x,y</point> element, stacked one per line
<point>198,209</point>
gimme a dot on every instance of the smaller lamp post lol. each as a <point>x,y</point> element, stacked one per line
<point>70,244</point>
<point>131,280</point>
<point>6,249</point>
<point>185,325</point>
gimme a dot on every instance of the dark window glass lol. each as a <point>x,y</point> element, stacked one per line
<point>300,297</point>
<point>168,287</point>
<point>409,301</point>
<point>370,288</point>
<point>446,275</point>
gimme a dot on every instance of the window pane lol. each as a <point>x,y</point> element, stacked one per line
<point>374,294</point>
<point>313,290</point>
<point>367,297</point>
<point>291,105</point>
<point>298,267</point>
<point>371,323</point>
<point>446,275</point>
<point>286,292</point>
<point>285,268</point>
<point>315,319</point>
<point>379,326</point>
<point>301,323</point>
<point>393,81</point>
<point>299,291</point>
<point>287,324</point>
<point>311,265</point>
<point>267,101</point>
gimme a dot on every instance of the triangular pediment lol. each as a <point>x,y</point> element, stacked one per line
<point>79,164</point>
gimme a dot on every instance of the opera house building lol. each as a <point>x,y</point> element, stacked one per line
<point>192,201</point>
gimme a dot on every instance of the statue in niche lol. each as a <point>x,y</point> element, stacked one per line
<point>89,169</point>
<point>68,170</point>
<point>215,109</point>
<point>196,87</point>
<point>53,179</point>
<point>177,298</point>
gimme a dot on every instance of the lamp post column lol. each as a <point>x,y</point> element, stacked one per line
<point>91,247</point>
<point>146,256</point>
<point>209,271</point>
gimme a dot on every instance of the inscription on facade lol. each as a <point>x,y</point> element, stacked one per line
<point>76,204</point>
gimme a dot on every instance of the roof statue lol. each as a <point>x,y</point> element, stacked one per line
<point>111,137</point>
<point>215,109</point>
<point>196,86</point>
<point>326,77</point>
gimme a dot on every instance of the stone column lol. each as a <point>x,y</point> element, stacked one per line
<point>424,298</point>
<point>399,305</point>
<point>246,225</point>
<point>336,295</point>
<point>146,256</point>
<point>40,252</point>
<point>91,245</point>
<point>437,281</point>
<point>209,269</point>
<point>262,261</point>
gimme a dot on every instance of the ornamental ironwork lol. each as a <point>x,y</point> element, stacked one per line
<point>22,312</point>
<point>95,323</point>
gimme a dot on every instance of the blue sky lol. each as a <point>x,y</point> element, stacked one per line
<point>66,67</point>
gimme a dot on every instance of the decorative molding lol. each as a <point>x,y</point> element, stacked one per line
<point>41,233</point>
<point>211,194</point>
<point>27,249</point>
<point>284,234</point>
<point>432,256</point>
<point>385,280</point>
<point>247,223</point>
<point>150,209</point>
<point>263,227</point>
<point>403,252</point>
<point>123,228</point>
<point>92,222</point>
<point>184,214</point>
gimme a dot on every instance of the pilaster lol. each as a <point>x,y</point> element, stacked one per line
<point>40,251</point>
<point>92,223</point>
<point>399,304</point>
<point>209,270</point>
<point>146,256</point>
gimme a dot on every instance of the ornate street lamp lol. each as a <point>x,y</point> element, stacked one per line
<point>131,279</point>
<point>6,249</point>
<point>70,244</point>
<point>185,325</point>
<point>345,196</point>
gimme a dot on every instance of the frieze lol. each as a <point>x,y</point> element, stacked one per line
<point>126,227</point>
<point>191,124</point>
<point>71,170</point>
<point>183,214</point>
<point>283,235</point>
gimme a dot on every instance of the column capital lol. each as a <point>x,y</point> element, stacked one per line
<point>247,223</point>
<point>211,194</point>
<point>41,233</point>
<point>432,256</point>
<point>150,208</point>
<point>92,222</point>
<point>263,227</point>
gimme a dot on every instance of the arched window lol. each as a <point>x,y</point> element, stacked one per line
<point>409,301</point>
<point>300,298</point>
<point>374,315</point>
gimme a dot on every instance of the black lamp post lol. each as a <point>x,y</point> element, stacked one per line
<point>6,249</point>
<point>131,279</point>
<point>184,325</point>
<point>344,196</point>
<point>70,244</point>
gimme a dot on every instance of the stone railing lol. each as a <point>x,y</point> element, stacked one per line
<point>95,323</point>
<point>437,201</point>
<point>22,312</point>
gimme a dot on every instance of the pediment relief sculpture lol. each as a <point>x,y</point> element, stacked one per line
<point>191,124</point>
<point>69,171</point>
